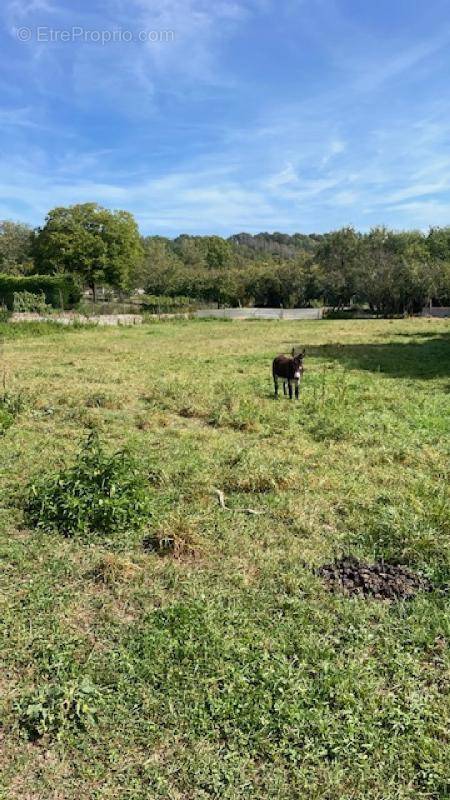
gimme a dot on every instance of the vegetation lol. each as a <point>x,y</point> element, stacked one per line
<point>99,245</point>
<point>100,494</point>
<point>11,405</point>
<point>222,666</point>
<point>15,247</point>
<point>391,273</point>
<point>159,304</point>
<point>27,301</point>
<point>60,291</point>
<point>53,709</point>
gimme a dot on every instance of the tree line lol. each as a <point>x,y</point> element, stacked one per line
<point>390,272</point>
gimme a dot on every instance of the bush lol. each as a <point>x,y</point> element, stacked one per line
<point>160,304</point>
<point>56,708</point>
<point>27,301</point>
<point>100,494</point>
<point>10,406</point>
<point>6,420</point>
<point>60,291</point>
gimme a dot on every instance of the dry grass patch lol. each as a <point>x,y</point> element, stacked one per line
<point>177,537</point>
<point>112,569</point>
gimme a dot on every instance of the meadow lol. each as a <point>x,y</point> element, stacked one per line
<point>205,655</point>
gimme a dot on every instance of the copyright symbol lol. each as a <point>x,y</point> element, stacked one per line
<point>23,34</point>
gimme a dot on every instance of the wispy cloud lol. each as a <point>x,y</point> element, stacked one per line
<point>227,127</point>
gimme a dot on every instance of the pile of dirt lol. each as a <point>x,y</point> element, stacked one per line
<point>380,580</point>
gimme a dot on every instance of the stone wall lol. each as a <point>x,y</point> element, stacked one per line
<point>69,318</point>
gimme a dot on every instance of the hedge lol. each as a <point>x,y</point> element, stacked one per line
<point>162,304</point>
<point>59,290</point>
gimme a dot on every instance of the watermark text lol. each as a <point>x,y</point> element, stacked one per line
<point>44,34</point>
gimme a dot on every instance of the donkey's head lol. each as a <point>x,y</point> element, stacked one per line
<point>297,358</point>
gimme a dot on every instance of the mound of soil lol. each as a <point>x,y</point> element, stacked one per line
<point>380,580</point>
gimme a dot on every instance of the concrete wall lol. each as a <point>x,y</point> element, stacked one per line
<point>436,311</point>
<point>261,313</point>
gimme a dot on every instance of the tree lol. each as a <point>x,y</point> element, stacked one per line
<point>99,245</point>
<point>218,252</point>
<point>15,247</point>
<point>438,244</point>
<point>338,259</point>
<point>158,267</point>
<point>396,275</point>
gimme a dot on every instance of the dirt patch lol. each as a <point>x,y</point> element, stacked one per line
<point>380,581</point>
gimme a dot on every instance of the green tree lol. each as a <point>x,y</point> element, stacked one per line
<point>15,248</point>
<point>338,259</point>
<point>395,274</point>
<point>99,245</point>
<point>159,267</point>
<point>218,252</point>
<point>191,250</point>
<point>438,244</point>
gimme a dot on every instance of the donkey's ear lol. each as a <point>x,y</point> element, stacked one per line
<point>304,351</point>
<point>293,352</point>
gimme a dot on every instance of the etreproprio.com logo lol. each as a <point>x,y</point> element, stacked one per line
<point>44,34</point>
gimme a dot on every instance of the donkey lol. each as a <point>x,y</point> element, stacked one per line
<point>290,370</point>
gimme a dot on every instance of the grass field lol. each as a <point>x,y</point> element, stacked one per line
<point>223,668</point>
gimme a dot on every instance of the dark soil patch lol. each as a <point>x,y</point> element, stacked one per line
<point>380,580</point>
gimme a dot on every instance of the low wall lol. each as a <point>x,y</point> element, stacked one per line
<point>71,318</point>
<point>262,313</point>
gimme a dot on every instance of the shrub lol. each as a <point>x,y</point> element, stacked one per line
<point>28,301</point>
<point>59,290</point>
<point>6,420</point>
<point>161,304</point>
<point>10,406</point>
<point>53,709</point>
<point>99,494</point>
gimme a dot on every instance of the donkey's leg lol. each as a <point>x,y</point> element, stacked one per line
<point>284,388</point>
<point>290,389</point>
<point>297,386</point>
<point>275,383</point>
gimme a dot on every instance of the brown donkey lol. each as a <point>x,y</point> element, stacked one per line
<point>289,370</point>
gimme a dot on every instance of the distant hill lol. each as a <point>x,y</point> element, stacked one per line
<point>283,245</point>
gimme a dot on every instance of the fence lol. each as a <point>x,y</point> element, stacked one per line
<point>262,313</point>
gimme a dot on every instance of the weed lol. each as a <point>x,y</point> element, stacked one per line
<point>11,405</point>
<point>55,708</point>
<point>100,494</point>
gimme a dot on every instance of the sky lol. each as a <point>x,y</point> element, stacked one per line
<point>221,116</point>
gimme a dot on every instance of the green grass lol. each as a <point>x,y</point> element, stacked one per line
<point>221,667</point>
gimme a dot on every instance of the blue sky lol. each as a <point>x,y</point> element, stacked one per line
<point>229,115</point>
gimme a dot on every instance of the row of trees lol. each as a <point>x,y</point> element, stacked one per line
<point>391,272</point>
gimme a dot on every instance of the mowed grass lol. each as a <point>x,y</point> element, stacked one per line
<point>225,669</point>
